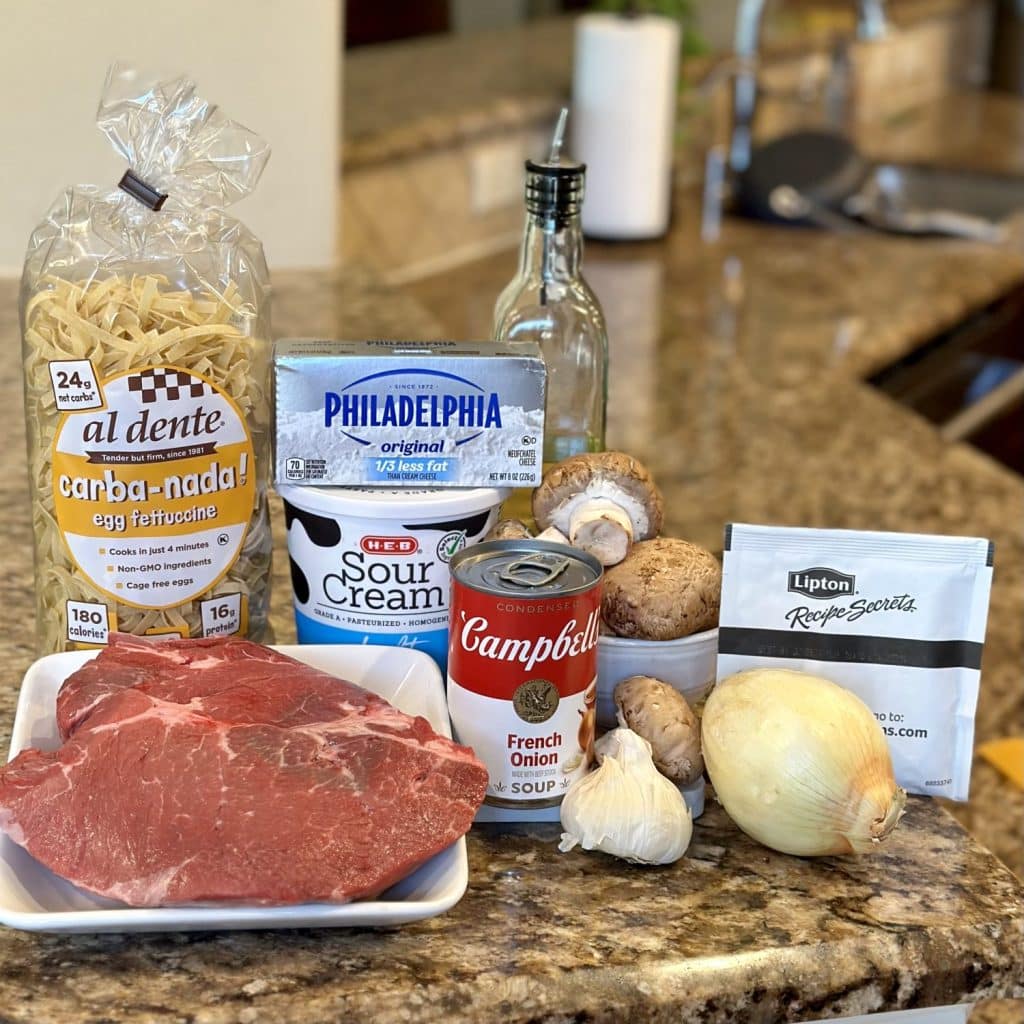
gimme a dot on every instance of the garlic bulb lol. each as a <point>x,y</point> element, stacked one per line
<point>799,763</point>
<point>626,807</point>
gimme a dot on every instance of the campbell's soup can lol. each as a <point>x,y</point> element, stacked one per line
<point>522,665</point>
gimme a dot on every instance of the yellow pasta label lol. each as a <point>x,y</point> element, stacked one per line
<point>154,488</point>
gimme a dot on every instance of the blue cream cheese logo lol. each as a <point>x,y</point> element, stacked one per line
<point>821,584</point>
<point>416,399</point>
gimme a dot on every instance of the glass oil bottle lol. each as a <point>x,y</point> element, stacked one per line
<point>549,302</point>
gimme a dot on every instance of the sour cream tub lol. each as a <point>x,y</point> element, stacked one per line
<point>369,565</point>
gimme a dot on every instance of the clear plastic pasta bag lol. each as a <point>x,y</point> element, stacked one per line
<point>145,321</point>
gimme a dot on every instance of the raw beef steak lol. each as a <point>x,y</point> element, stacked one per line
<point>235,680</point>
<point>219,770</point>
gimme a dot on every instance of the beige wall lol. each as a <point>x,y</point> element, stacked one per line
<point>273,65</point>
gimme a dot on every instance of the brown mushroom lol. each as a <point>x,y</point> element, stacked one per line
<point>602,501</point>
<point>659,712</point>
<point>663,589</point>
<point>509,529</point>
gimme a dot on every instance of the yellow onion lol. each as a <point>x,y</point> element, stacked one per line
<point>799,763</point>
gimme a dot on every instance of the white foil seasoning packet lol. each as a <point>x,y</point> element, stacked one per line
<point>897,618</point>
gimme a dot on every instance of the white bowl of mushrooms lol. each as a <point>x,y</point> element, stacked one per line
<point>686,664</point>
<point>659,610</point>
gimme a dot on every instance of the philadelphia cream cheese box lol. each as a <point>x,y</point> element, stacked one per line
<point>394,413</point>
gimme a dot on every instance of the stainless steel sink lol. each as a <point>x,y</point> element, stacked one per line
<point>922,199</point>
<point>992,196</point>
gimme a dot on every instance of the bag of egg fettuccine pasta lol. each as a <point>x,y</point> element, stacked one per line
<point>146,334</point>
<point>898,618</point>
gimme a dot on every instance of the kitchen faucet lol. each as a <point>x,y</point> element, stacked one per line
<point>871,24</point>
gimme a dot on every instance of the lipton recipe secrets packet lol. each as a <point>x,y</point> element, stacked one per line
<point>898,618</point>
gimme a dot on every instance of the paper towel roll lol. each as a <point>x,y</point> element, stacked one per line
<point>625,82</point>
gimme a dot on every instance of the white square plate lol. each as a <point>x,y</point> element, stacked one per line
<point>35,899</point>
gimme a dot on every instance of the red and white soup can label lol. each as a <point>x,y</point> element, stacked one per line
<point>522,665</point>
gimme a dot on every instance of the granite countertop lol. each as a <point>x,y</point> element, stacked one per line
<point>738,376</point>
<point>731,933</point>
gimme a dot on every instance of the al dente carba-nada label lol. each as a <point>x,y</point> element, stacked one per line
<point>153,487</point>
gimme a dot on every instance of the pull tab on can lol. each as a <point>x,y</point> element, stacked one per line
<point>522,572</point>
